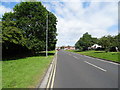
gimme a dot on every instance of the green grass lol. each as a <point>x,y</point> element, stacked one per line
<point>24,73</point>
<point>113,56</point>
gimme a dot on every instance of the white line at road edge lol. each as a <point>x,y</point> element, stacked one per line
<point>97,59</point>
<point>101,60</point>
<point>95,66</point>
<point>52,84</point>
<point>108,62</point>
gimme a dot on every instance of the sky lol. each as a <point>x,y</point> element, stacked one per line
<point>76,17</point>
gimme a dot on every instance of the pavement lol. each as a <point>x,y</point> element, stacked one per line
<point>78,71</point>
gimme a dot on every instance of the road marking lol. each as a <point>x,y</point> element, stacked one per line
<point>104,61</point>
<point>108,62</point>
<point>52,84</point>
<point>97,59</point>
<point>44,82</point>
<point>50,78</point>
<point>101,60</point>
<point>75,57</point>
<point>95,66</point>
<point>52,74</point>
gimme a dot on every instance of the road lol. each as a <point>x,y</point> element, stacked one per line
<point>78,71</point>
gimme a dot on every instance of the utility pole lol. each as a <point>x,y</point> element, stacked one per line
<point>47,35</point>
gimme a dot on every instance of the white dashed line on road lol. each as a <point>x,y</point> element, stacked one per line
<point>95,66</point>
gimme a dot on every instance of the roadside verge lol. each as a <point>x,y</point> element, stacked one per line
<point>101,59</point>
<point>110,56</point>
<point>48,80</point>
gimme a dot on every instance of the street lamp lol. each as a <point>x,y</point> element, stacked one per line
<point>47,35</point>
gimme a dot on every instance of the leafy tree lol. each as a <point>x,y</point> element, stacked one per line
<point>52,31</point>
<point>31,17</point>
<point>33,22</point>
<point>117,41</point>
<point>0,32</point>
<point>109,42</point>
<point>104,42</point>
<point>26,27</point>
<point>13,35</point>
<point>85,41</point>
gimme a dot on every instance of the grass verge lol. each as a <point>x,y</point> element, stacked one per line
<point>24,73</point>
<point>112,56</point>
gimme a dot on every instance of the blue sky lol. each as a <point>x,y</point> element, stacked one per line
<point>76,18</point>
<point>9,4</point>
<point>86,4</point>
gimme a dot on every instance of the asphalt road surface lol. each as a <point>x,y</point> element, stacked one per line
<point>79,71</point>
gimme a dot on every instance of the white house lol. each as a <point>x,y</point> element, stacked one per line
<point>95,46</point>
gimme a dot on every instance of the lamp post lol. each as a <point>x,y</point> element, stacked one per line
<point>47,35</point>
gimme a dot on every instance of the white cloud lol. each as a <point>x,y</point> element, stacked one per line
<point>79,0</point>
<point>3,9</point>
<point>74,20</point>
<point>63,0</point>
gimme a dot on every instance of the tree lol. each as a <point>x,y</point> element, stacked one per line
<point>109,42</point>
<point>85,41</point>
<point>0,32</point>
<point>52,31</point>
<point>26,26</point>
<point>34,24</point>
<point>12,37</point>
<point>31,17</point>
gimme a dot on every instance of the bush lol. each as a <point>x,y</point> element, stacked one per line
<point>100,49</point>
<point>112,49</point>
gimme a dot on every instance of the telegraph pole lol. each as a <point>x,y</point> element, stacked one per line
<point>47,35</point>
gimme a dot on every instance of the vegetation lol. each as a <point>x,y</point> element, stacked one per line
<point>112,56</point>
<point>85,41</point>
<point>23,44</point>
<point>108,43</point>
<point>25,72</point>
<point>24,29</point>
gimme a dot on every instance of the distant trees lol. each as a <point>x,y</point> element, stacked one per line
<point>117,41</point>
<point>25,28</point>
<point>109,43</point>
<point>85,41</point>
